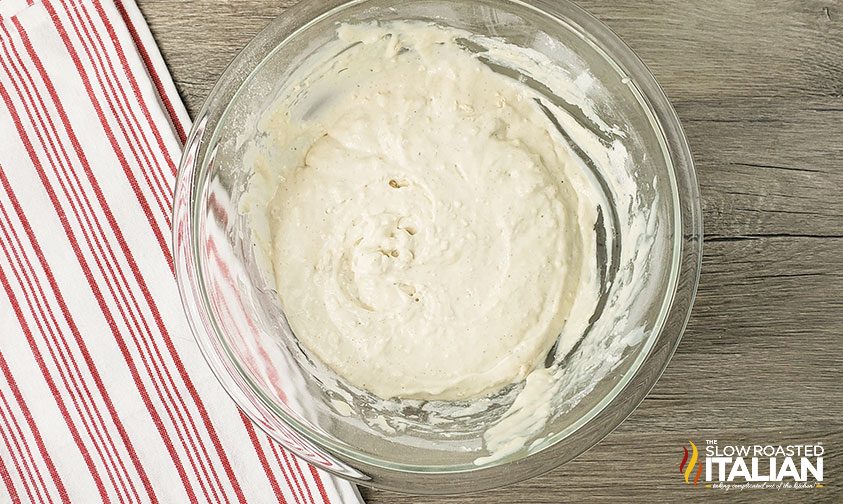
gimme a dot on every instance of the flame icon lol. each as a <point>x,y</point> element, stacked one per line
<point>687,470</point>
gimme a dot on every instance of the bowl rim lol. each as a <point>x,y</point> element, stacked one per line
<point>630,390</point>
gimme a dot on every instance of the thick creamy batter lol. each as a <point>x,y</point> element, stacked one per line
<point>432,234</point>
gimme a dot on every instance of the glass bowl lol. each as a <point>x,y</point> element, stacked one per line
<point>241,328</point>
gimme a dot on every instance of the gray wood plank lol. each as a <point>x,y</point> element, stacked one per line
<point>759,87</point>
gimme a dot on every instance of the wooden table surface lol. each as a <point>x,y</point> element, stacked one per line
<point>758,86</point>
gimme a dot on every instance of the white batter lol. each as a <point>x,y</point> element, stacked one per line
<point>432,234</point>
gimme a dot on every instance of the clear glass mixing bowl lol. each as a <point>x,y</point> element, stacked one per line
<point>240,326</point>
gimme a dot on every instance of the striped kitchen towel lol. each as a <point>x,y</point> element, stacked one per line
<point>104,396</point>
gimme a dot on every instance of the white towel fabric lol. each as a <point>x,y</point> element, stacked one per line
<point>104,396</point>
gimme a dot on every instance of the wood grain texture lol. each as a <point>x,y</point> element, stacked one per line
<point>759,88</point>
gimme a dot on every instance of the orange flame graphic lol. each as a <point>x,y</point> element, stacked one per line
<point>688,470</point>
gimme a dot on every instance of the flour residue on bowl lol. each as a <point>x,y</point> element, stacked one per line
<point>437,226</point>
